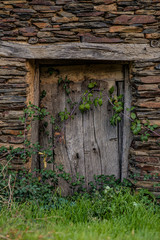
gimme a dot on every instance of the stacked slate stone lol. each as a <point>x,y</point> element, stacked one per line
<point>102,21</point>
<point>93,21</point>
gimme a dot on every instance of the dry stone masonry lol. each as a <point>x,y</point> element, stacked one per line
<point>46,22</point>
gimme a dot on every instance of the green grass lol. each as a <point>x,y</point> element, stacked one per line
<point>111,215</point>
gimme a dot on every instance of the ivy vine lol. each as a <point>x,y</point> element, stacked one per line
<point>92,97</point>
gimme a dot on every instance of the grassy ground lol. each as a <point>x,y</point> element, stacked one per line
<point>113,215</point>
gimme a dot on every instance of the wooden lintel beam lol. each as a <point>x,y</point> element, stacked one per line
<point>81,51</point>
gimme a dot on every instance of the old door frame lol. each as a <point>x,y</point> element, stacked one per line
<point>125,139</point>
<point>85,51</point>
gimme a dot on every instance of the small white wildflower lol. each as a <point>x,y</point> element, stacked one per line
<point>135,204</point>
<point>107,188</point>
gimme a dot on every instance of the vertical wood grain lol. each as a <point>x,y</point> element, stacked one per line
<point>35,124</point>
<point>126,124</point>
<point>120,91</point>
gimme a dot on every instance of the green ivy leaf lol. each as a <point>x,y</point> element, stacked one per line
<point>81,107</point>
<point>67,91</point>
<point>92,85</point>
<point>60,80</point>
<point>132,108</point>
<point>100,102</point>
<point>87,106</point>
<point>90,95</point>
<point>95,102</point>
<point>111,90</point>
<point>119,118</point>
<point>144,138</point>
<point>133,115</point>
<point>120,97</point>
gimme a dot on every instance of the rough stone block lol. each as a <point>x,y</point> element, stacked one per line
<point>33,40</point>
<point>42,2</point>
<point>46,9</point>
<point>103,1</point>
<point>41,24</point>
<point>28,31</point>
<point>74,7</point>
<point>125,29</point>
<point>66,14</point>
<point>44,34</point>
<point>144,19</point>
<point>92,39</point>
<point>7,26</point>
<point>123,19</point>
<point>148,104</point>
<point>90,14</point>
<point>153,35</point>
<point>64,19</point>
<point>147,159</point>
<point>13,33</point>
<point>106,8</point>
<point>23,10</point>
<point>62,2</point>
<point>146,87</point>
<point>150,79</point>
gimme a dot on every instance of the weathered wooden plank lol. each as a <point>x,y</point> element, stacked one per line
<point>45,138</point>
<point>120,90</point>
<point>112,168</point>
<point>74,134</point>
<point>55,102</point>
<point>88,51</point>
<point>35,124</point>
<point>91,148</point>
<point>126,125</point>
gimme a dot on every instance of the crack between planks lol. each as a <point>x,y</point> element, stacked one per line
<point>67,147</point>
<point>84,147</point>
<point>97,143</point>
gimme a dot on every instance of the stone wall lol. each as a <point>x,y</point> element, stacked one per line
<point>145,156</point>
<point>93,21</point>
<point>100,21</point>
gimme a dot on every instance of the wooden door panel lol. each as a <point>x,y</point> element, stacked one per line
<point>74,135</point>
<point>91,145</point>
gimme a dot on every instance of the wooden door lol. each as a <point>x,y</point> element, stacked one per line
<point>90,145</point>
